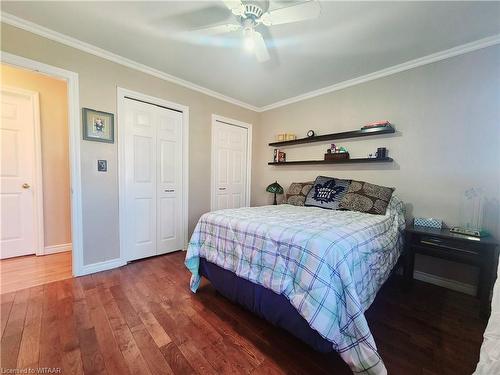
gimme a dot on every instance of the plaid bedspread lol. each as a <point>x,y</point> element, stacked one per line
<point>329,264</point>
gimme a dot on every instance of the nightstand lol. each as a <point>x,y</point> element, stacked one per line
<point>441,243</point>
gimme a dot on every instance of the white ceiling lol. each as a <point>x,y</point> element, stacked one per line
<point>350,39</point>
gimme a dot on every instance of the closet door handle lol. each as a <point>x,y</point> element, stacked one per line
<point>169,191</point>
<point>222,188</point>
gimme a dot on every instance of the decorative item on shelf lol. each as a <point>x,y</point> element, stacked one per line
<point>376,124</point>
<point>275,155</point>
<point>281,157</point>
<point>97,126</point>
<point>381,153</point>
<point>275,188</point>
<point>428,222</point>
<point>337,156</point>
<point>336,153</point>
<point>282,137</point>
<point>310,133</point>
<point>472,213</point>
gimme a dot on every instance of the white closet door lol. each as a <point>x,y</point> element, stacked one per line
<point>140,189</point>
<point>153,182</point>
<point>230,165</point>
<point>169,177</point>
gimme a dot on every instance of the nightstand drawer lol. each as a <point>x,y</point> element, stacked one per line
<point>446,253</point>
<point>449,244</point>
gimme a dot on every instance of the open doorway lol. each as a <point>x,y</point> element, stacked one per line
<point>36,241</point>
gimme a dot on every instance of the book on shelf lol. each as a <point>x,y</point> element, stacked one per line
<point>377,124</point>
<point>281,157</point>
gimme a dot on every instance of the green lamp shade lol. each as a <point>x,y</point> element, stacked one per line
<point>275,188</point>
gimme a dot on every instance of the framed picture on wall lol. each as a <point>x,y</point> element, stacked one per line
<point>98,126</point>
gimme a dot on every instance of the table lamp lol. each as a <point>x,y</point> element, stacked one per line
<point>275,188</point>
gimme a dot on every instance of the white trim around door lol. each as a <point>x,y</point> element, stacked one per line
<point>71,79</point>
<point>241,124</point>
<point>122,95</point>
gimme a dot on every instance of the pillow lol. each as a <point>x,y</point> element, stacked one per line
<point>365,197</point>
<point>327,192</point>
<point>297,192</point>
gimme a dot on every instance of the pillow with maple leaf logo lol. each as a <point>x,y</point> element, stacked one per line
<point>327,192</point>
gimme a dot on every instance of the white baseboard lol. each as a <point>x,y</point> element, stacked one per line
<point>102,266</point>
<point>445,283</point>
<point>57,248</point>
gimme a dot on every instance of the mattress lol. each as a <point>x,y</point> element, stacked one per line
<point>328,264</point>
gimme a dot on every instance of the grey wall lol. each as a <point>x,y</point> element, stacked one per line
<point>447,116</point>
<point>98,80</point>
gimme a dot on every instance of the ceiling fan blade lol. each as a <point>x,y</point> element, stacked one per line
<point>193,19</point>
<point>300,12</point>
<point>235,6</point>
<point>261,51</point>
<point>219,29</point>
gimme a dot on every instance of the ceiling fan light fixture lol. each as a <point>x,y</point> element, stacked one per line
<point>248,39</point>
<point>266,19</point>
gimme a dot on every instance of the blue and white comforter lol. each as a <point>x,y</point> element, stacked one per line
<point>329,264</point>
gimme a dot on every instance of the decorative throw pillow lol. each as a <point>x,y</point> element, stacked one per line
<point>297,192</point>
<point>365,197</point>
<point>327,192</point>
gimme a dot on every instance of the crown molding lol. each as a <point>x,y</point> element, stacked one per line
<point>438,56</point>
<point>96,51</point>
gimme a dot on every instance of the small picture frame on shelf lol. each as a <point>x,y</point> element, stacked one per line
<point>98,126</point>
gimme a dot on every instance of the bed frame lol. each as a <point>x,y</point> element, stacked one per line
<point>274,308</point>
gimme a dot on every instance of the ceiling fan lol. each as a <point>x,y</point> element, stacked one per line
<point>251,14</point>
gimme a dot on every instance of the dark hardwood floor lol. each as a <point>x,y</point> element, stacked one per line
<point>142,319</point>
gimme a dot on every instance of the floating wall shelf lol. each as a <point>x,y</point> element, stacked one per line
<point>333,136</point>
<point>339,161</point>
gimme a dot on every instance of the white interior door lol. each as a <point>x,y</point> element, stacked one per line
<point>153,180</point>
<point>140,189</point>
<point>230,163</point>
<point>17,174</point>
<point>169,176</point>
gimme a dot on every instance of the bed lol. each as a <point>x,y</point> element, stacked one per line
<point>309,270</point>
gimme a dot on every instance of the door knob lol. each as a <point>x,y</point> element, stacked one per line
<point>26,186</point>
<point>222,188</point>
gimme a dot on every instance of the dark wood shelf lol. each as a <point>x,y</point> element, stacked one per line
<point>333,136</point>
<point>339,161</point>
